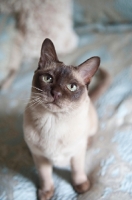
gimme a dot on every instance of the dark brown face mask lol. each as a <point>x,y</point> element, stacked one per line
<point>58,83</point>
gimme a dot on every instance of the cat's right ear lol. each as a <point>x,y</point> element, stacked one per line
<point>48,53</point>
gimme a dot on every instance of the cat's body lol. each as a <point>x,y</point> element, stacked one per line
<point>60,118</point>
<point>59,136</point>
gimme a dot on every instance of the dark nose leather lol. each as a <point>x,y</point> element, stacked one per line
<point>56,94</point>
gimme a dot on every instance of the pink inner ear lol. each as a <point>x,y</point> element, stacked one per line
<point>88,68</point>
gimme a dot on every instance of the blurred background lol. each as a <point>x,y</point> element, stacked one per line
<point>79,29</point>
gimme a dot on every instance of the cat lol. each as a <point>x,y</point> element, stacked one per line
<point>60,118</point>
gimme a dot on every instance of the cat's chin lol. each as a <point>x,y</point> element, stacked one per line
<point>53,107</point>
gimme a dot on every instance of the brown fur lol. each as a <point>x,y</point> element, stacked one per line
<point>58,71</point>
<point>83,187</point>
<point>46,195</point>
<point>103,83</point>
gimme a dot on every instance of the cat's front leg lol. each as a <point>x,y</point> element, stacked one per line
<point>44,168</point>
<point>80,180</point>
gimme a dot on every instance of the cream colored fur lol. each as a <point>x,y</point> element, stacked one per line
<point>57,128</point>
<point>60,139</point>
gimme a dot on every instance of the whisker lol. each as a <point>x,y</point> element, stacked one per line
<point>34,99</point>
<point>32,96</point>
<point>25,101</point>
<point>37,103</point>
<point>31,105</point>
<point>37,88</point>
<point>41,102</point>
<point>27,98</point>
<point>35,94</point>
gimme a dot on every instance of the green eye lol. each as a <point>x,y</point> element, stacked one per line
<point>72,87</point>
<point>47,78</point>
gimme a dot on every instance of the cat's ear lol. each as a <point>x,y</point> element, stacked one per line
<point>88,68</point>
<point>48,53</point>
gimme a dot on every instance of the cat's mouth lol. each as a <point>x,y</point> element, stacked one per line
<point>54,103</point>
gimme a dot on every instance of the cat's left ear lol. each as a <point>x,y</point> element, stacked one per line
<point>48,53</point>
<point>88,68</point>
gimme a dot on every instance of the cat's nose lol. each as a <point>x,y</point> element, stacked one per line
<point>56,94</point>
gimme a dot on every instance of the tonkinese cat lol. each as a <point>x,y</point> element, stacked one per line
<point>60,118</point>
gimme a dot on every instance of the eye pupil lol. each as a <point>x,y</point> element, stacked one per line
<point>47,78</point>
<point>72,87</point>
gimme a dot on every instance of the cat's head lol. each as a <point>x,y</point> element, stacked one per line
<point>58,87</point>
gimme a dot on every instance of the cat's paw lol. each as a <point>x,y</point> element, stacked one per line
<point>83,187</point>
<point>45,195</point>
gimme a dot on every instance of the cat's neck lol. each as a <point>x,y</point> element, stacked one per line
<point>40,111</point>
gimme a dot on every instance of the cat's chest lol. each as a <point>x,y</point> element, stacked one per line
<point>53,135</point>
<point>50,128</point>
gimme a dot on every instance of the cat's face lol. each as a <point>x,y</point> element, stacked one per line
<point>60,88</point>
